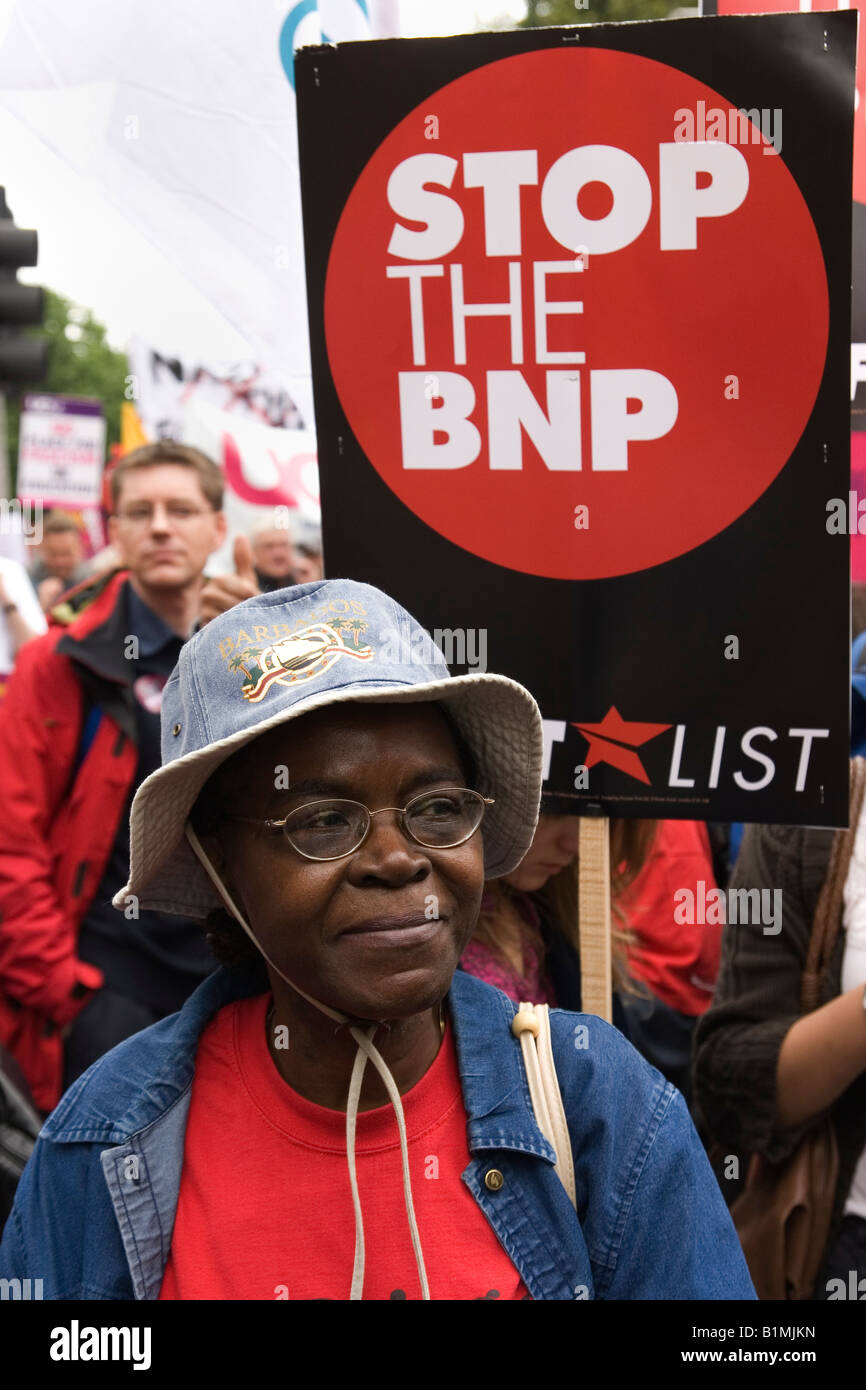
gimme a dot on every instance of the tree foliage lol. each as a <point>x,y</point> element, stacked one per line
<point>545,12</point>
<point>81,362</point>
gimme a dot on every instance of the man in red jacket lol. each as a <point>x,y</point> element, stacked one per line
<point>79,731</point>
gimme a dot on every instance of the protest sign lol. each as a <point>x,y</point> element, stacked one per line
<point>61,450</point>
<point>858,308</point>
<point>579,318</point>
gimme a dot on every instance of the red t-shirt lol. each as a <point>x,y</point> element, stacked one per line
<point>265,1208</point>
<point>679,960</point>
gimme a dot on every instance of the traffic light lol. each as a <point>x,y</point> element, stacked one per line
<point>22,359</point>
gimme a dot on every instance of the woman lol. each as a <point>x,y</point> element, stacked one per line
<point>763,1073</point>
<point>344,811</point>
<point>527,939</point>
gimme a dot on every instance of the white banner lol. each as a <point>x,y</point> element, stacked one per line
<point>269,473</point>
<point>183,115</point>
<point>163,388</point>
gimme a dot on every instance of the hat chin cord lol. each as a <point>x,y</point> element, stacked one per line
<point>366,1052</point>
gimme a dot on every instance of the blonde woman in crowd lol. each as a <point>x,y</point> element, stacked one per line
<point>527,941</point>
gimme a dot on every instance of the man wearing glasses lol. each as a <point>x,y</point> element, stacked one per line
<point>79,732</point>
<point>339,1112</point>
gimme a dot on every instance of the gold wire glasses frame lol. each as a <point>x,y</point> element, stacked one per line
<point>476,800</point>
<point>179,512</point>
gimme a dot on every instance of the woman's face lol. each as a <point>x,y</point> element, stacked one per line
<point>554,847</point>
<point>322,922</point>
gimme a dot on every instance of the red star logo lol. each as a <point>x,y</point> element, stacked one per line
<point>612,740</point>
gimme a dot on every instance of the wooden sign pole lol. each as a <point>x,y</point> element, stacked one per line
<point>594,910</point>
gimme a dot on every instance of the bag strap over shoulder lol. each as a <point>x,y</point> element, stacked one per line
<point>828,910</point>
<point>531,1024</point>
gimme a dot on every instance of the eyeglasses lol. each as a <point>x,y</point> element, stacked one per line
<point>178,512</point>
<point>334,829</point>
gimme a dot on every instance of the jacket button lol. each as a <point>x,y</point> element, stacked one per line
<point>176,730</point>
<point>493,1180</point>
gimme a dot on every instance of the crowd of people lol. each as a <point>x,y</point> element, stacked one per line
<point>271,907</point>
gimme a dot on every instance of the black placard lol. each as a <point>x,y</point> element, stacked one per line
<point>707,684</point>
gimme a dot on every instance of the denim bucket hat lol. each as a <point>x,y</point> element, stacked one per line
<point>281,655</point>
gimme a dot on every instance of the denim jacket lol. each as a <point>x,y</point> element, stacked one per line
<point>95,1207</point>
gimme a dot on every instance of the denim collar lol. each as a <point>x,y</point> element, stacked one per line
<point>139,1081</point>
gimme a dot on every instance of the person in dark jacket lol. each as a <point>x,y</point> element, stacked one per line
<point>762,1073</point>
<point>79,730</point>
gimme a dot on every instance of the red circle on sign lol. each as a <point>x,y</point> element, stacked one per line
<point>702,364</point>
